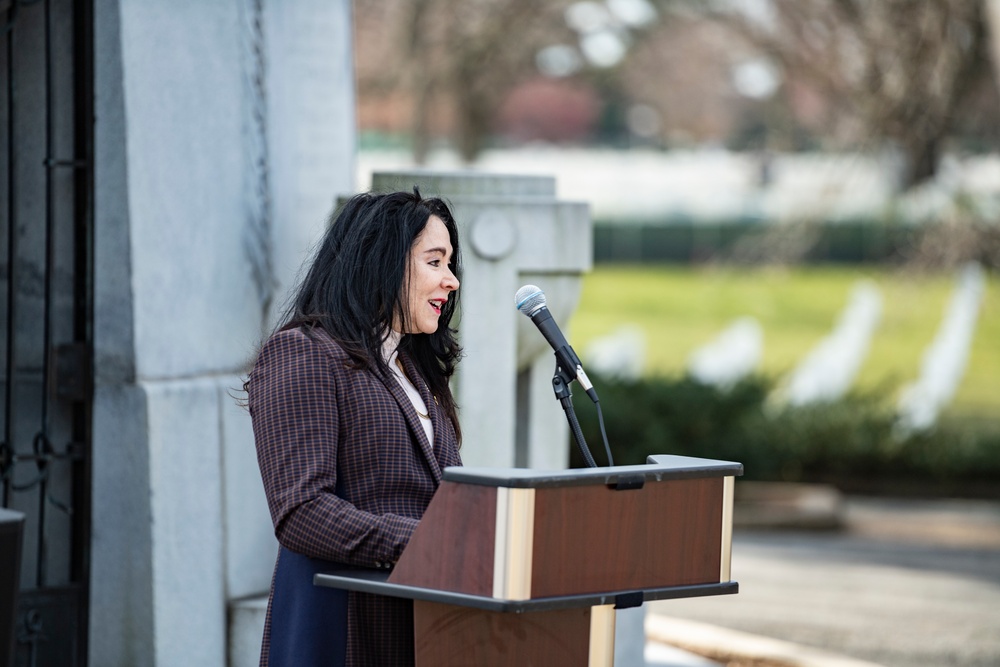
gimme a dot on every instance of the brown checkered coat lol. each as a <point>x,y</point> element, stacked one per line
<point>320,425</point>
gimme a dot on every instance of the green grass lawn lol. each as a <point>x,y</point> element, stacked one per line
<point>681,308</point>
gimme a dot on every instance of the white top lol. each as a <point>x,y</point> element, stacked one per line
<point>390,353</point>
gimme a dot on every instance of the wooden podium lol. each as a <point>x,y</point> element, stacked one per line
<point>525,567</point>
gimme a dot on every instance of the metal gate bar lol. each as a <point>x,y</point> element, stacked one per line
<point>45,447</point>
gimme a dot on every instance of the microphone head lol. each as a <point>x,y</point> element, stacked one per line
<point>529,299</point>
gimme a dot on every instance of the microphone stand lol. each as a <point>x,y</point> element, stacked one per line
<point>560,385</point>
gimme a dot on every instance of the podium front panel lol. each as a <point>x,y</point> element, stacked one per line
<point>589,539</point>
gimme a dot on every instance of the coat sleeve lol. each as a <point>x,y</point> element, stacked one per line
<point>293,407</point>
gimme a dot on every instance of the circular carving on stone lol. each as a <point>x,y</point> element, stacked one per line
<point>492,235</point>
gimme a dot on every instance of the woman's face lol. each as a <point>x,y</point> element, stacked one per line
<point>429,278</point>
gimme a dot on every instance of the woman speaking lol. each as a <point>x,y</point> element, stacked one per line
<point>354,421</point>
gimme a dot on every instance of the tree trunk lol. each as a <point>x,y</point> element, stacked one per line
<point>421,80</point>
<point>473,128</point>
<point>419,132</point>
<point>474,114</point>
<point>922,155</point>
<point>991,11</point>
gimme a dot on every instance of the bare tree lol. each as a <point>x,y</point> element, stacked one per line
<point>458,58</point>
<point>898,68</point>
<point>681,68</point>
<point>870,70</point>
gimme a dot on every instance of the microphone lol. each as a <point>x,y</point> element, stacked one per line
<point>530,300</point>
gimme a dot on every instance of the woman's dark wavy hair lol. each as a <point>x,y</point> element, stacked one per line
<point>356,285</point>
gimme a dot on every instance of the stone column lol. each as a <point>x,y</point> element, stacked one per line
<point>187,267</point>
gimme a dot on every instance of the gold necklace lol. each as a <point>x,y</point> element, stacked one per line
<point>403,371</point>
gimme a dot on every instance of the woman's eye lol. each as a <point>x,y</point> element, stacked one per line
<point>435,262</point>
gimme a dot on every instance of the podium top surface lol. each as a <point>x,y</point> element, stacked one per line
<point>659,468</point>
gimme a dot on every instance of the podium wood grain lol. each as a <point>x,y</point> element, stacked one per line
<point>453,551</point>
<point>448,635</point>
<point>594,538</point>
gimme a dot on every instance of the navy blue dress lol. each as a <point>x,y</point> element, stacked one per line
<point>308,622</point>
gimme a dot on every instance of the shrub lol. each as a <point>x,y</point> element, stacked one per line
<point>852,442</point>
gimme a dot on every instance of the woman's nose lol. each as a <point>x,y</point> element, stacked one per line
<point>450,282</point>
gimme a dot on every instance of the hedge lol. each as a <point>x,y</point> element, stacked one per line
<point>853,443</point>
<point>854,242</point>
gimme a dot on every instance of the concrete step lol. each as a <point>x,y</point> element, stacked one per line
<point>246,628</point>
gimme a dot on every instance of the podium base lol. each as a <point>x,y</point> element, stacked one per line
<point>453,636</point>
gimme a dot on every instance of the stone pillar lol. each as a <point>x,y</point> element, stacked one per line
<point>513,231</point>
<point>223,133</point>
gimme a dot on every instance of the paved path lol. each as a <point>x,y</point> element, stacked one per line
<point>906,583</point>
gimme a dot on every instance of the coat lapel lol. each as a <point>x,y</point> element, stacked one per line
<point>413,419</point>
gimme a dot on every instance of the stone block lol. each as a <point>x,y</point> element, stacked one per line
<point>311,126</point>
<point>192,296</point>
<point>121,571</point>
<point>246,630</point>
<point>185,485</point>
<point>251,547</point>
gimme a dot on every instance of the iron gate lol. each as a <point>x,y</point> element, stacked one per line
<point>46,116</point>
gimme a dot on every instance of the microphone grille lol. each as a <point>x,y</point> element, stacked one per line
<point>529,299</point>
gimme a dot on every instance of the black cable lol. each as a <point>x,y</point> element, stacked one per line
<point>604,434</point>
<point>574,425</point>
